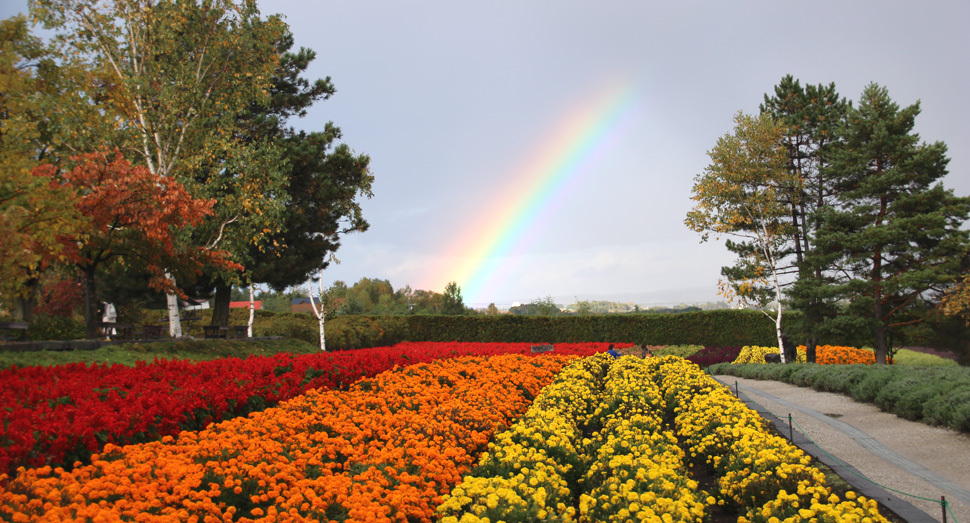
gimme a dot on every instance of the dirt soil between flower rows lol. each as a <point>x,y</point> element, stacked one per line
<point>907,466</point>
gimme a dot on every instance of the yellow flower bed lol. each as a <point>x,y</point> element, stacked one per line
<point>762,475</point>
<point>755,354</point>
<point>824,355</point>
<point>630,467</point>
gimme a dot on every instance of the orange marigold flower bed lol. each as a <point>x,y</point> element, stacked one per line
<point>387,449</point>
<point>839,355</point>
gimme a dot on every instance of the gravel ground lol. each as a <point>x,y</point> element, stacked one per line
<point>906,456</point>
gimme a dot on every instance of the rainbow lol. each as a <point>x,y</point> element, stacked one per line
<point>479,258</point>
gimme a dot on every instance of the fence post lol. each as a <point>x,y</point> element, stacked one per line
<point>791,436</point>
<point>943,502</point>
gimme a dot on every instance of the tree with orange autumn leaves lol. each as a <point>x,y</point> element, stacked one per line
<point>133,217</point>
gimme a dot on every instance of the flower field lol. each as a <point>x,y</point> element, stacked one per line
<point>824,355</point>
<point>383,450</point>
<point>620,439</point>
<point>458,438</point>
<point>58,415</point>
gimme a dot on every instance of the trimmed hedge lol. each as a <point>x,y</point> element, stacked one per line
<point>707,328</point>
<point>932,395</point>
<point>722,327</point>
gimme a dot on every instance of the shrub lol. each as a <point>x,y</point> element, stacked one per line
<point>352,332</point>
<point>51,327</point>
<point>289,325</point>
<point>920,359</point>
<point>871,384</point>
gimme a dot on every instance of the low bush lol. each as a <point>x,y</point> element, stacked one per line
<point>867,388</point>
<point>937,395</point>
<point>289,325</point>
<point>47,327</point>
<point>921,359</point>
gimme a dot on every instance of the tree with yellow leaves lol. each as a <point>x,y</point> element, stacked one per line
<point>743,194</point>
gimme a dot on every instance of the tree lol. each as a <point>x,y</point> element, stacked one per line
<point>956,301</point>
<point>538,307</point>
<point>743,194</point>
<point>810,117</point>
<point>584,307</point>
<point>894,236</point>
<point>179,74</point>
<point>132,214</point>
<point>319,310</point>
<point>453,303</point>
<point>33,213</point>
<point>322,182</point>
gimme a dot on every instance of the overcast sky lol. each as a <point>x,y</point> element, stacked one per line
<point>532,149</point>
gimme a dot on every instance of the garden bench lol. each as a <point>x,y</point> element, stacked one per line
<point>13,330</point>
<point>150,332</point>
<point>117,331</point>
<point>211,332</point>
<point>240,331</point>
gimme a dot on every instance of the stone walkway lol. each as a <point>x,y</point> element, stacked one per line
<point>879,449</point>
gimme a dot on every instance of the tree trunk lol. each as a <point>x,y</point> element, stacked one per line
<point>252,311</point>
<point>174,320</point>
<point>220,304</point>
<point>810,349</point>
<point>92,319</point>
<point>780,335</point>
<point>879,344</point>
<point>23,305</point>
<point>318,312</point>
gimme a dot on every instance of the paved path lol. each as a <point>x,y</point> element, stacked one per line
<point>903,455</point>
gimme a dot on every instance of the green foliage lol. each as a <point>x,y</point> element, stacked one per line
<point>48,327</point>
<point>684,351</point>
<point>538,307</point>
<point>131,353</point>
<point>909,357</point>
<point>895,232</point>
<point>290,325</point>
<point>353,332</point>
<point>710,328</point>
<point>453,303</point>
<point>934,395</point>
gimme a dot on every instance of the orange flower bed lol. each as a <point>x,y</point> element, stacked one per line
<point>387,449</point>
<point>838,355</point>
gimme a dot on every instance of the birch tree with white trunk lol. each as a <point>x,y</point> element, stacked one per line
<point>744,193</point>
<point>320,311</point>
<point>174,76</point>
<point>252,311</point>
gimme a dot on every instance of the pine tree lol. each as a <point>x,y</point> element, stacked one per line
<point>453,302</point>
<point>893,237</point>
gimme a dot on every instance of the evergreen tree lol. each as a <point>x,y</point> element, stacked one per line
<point>893,237</point>
<point>322,183</point>
<point>453,302</point>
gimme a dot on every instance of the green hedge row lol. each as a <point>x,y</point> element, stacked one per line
<point>724,327</point>
<point>706,328</point>
<point>709,328</point>
<point>932,395</point>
